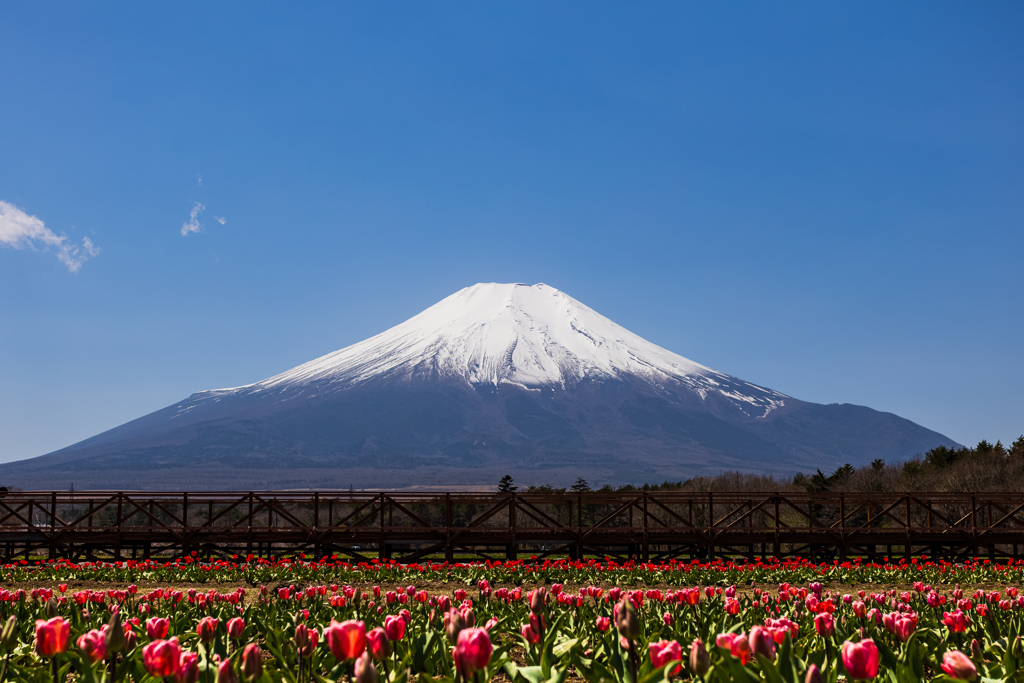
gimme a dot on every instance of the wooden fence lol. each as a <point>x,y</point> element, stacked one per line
<point>411,526</point>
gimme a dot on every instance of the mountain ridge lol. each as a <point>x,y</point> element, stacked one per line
<point>494,379</point>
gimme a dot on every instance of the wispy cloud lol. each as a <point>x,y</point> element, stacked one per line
<point>220,219</point>
<point>193,223</point>
<point>19,230</point>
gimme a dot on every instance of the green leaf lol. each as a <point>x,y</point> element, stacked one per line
<point>769,670</point>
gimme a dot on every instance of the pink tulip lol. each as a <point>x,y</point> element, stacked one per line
<point>377,644</point>
<point>737,645</point>
<point>473,650</point>
<point>394,627</point>
<point>207,629</point>
<point>157,628</point>
<point>236,627</point>
<point>861,659</point>
<point>226,672</point>
<point>762,643</point>
<point>365,671</point>
<point>603,623</point>
<point>664,652</point>
<point>957,665</point>
<point>529,635</point>
<point>52,636</point>
<point>94,645</point>
<point>188,668</point>
<point>252,662</point>
<point>162,657</point>
<point>824,625</point>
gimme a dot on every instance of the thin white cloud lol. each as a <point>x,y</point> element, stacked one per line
<point>19,230</point>
<point>220,219</point>
<point>199,179</point>
<point>193,223</point>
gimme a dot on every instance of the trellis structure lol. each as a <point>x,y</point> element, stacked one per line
<point>411,526</point>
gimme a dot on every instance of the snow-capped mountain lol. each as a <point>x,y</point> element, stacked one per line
<point>508,334</point>
<point>494,379</point>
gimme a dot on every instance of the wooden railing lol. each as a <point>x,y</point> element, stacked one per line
<point>411,526</point>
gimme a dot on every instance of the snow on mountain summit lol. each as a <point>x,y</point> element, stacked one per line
<point>530,336</point>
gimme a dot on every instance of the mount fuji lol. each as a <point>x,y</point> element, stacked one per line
<point>495,379</point>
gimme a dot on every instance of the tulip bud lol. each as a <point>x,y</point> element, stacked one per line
<point>453,625</point>
<point>9,635</point>
<point>700,661</point>
<point>1016,647</point>
<point>626,621</point>
<point>130,641</point>
<point>762,643</point>
<point>538,598</point>
<point>976,652</point>
<point>51,608</point>
<point>365,671</point>
<point>252,662</point>
<point>236,627</point>
<point>226,672</point>
<point>813,675</point>
<point>115,634</point>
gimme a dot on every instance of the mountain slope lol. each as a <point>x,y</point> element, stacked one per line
<point>494,379</point>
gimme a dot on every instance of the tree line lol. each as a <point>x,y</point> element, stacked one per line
<point>985,467</point>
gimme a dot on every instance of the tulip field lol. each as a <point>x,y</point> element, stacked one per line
<point>302,620</point>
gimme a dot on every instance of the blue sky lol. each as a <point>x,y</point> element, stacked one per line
<point>823,198</point>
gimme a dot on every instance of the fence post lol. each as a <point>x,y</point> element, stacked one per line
<point>53,525</point>
<point>513,549</point>
<point>777,549</point>
<point>711,526</point>
<point>117,549</point>
<point>248,524</point>
<point>842,527</point>
<point>449,549</point>
<point>646,548</point>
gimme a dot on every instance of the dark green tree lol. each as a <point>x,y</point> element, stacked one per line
<point>1017,449</point>
<point>506,485</point>
<point>580,486</point>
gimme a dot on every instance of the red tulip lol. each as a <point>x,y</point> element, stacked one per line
<point>957,665</point>
<point>346,640</point>
<point>157,628</point>
<point>52,636</point>
<point>472,651</point>
<point>529,635</point>
<point>394,627</point>
<point>664,652</point>
<point>603,623</point>
<point>861,659</point>
<point>162,657</point>
<point>956,622</point>
<point>94,645</point>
